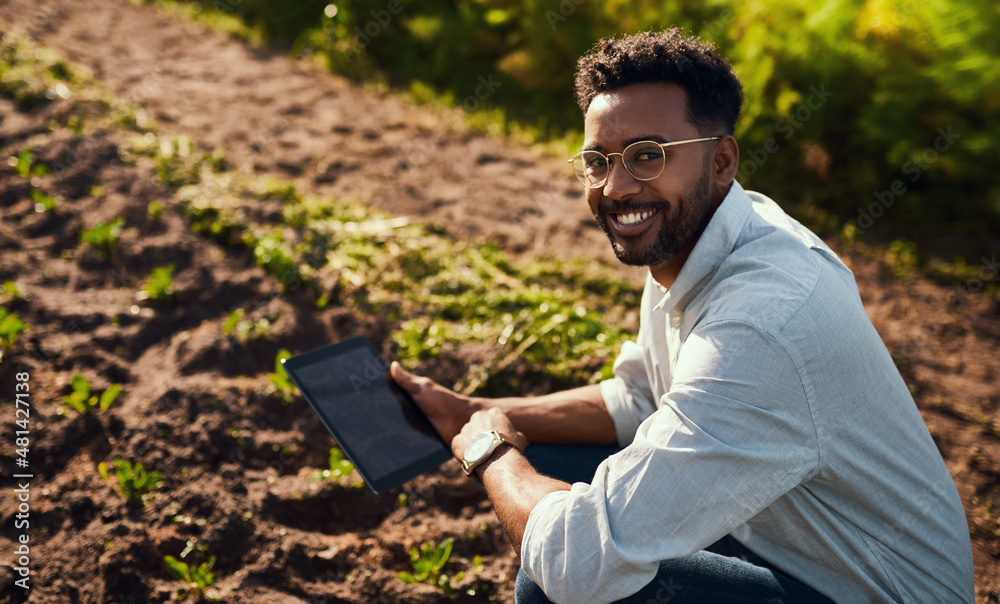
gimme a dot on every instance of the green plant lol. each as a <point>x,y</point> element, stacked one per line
<point>197,578</point>
<point>103,236</point>
<point>43,203</point>
<point>280,379</point>
<point>9,292</point>
<point>154,210</point>
<point>159,287</point>
<point>244,329</point>
<point>428,563</point>
<point>340,467</point>
<point>25,165</point>
<point>234,318</point>
<point>11,325</point>
<point>82,401</point>
<point>134,482</point>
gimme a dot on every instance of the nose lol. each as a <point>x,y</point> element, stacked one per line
<point>620,183</point>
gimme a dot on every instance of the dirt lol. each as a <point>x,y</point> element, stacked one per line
<point>197,406</point>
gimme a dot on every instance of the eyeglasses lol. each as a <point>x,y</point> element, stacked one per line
<point>644,160</point>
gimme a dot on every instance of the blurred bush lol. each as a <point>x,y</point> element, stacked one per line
<point>844,97</point>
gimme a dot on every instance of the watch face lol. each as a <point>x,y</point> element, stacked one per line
<point>478,446</point>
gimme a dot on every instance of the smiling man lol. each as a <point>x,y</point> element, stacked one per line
<point>756,443</point>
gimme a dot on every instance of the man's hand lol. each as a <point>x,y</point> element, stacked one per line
<point>447,410</point>
<point>484,421</point>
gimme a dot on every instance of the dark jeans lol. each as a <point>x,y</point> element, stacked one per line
<point>724,572</point>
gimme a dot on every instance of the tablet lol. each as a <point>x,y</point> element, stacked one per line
<point>376,423</point>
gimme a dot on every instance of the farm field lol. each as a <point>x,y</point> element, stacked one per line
<point>180,207</point>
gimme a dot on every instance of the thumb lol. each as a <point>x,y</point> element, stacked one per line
<point>403,378</point>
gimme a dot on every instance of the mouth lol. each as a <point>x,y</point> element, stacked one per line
<point>631,223</point>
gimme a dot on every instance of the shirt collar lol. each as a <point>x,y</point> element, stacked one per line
<point>714,245</point>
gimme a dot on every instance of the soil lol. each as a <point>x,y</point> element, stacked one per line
<point>197,406</point>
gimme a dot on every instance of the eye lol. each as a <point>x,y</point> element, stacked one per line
<point>645,153</point>
<point>595,161</point>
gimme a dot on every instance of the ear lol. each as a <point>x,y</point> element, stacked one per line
<point>725,162</point>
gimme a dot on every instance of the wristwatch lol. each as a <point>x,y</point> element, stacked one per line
<point>481,447</point>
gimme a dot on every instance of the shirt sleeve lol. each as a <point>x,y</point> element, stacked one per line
<point>628,396</point>
<point>733,434</point>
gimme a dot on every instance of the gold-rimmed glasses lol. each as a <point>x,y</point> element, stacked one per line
<point>644,160</point>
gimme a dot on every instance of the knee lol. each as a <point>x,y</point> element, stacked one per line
<point>526,592</point>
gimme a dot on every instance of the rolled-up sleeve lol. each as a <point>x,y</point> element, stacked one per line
<point>628,396</point>
<point>733,434</point>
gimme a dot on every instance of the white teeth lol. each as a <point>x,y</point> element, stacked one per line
<point>628,219</point>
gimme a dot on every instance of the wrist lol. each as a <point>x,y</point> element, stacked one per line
<point>501,456</point>
<point>476,403</point>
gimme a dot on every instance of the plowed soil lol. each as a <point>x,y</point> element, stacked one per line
<point>197,405</point>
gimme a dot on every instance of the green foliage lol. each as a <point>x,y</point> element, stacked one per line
<point>853,97</point>
<point>9,292</point>
<point>245,329</point>
<point>26,166</point>
<point>197,578</point>
<point>43,202</point>
<point>273,254</point>
<point>11,325</point>
<point>282,383</point>
<point>103,236</point>
<point>340,467</point>
<point>134,482</point>
<point>154,211</point>
<point>901,257</point>
<point>428,564</point>
<point>562,319</point>
<point>82,401</point>
<point>159,287</point>
<point>30,75</point>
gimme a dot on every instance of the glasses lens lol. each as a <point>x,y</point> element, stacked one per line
<point>591,168</point>
<point>644,160</point>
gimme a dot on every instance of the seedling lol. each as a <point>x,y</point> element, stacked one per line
<point>245,329</point>
<point>340,467</point>
<point>26,166</point>
<point>82,401</point>
<point>11,326</point>
<point>159,288</point>
<point>197,578</point>
<point>134,482</point>
<point>43,203</point>
<point>10,292</point>
<point>427,563</point>
<point>103,237</point>
<point>232,321</point>
<point>280,379</point>
<point>154,210</point>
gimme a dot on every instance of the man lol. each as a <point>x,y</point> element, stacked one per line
<point>770,450</point>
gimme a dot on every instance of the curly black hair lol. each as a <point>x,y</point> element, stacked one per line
<point>714,91</point>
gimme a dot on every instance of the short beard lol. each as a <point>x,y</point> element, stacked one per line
<point>674,237</point>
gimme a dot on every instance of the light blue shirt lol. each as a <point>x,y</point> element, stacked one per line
<point>759,400</point>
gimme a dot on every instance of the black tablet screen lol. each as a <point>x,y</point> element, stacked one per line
<point>375,422</point>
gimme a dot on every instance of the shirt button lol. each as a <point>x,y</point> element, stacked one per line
<point>676,320</point>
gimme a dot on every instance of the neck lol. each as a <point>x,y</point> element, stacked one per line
<point>665,273</point>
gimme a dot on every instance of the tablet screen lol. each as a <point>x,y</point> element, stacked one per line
<point>376,423</point>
